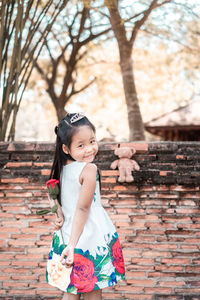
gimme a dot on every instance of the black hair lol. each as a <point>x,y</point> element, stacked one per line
<point>65,130</point>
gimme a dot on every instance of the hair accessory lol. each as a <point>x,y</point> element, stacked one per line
<point>77,117</point>
<point>67,122</point>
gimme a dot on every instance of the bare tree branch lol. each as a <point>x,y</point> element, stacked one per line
<point>17,60</point>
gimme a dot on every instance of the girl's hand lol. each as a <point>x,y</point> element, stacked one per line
<point>67,256</point>
<point>58,222</point>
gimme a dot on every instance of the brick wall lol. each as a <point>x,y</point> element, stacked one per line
<point>157,218</point>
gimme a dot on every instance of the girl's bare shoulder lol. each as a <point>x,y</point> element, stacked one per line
<point>89,172</point>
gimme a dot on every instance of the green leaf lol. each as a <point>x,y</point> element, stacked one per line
<point>54,208</point>
<point>56,243</point>
<point>43,212</point>
<point>103,277</point>
<point>71,289</point>
<point>47,280</point>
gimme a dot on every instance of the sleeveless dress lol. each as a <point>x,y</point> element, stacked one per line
<point>98,258</point>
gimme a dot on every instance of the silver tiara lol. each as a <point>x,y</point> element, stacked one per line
<point>77,117</point>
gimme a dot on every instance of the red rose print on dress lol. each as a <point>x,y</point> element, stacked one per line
<point>118,257</point>
<point>82,276</point>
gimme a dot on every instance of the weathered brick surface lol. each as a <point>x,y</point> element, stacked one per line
<point>157,218</point>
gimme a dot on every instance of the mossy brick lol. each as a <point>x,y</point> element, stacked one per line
<point>162,147</point>
<point>21,147</point>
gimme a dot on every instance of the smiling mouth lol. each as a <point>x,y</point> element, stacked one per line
<point>89,156</point>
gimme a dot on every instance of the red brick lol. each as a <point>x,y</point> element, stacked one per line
<point>48,292</point>
<point>5,263</point>
<point>35,187</point>
<point>138,297</point>
<point>45,172</point>
<point>39,270</point>
<point>5,215</point>
<point>24,277</point>
<point>39,230</point>
<point>169,268</point>
<point>4,236</point>
<point>21,292</point>
<point>171,283</point>
<point>121,203</point>
<point>15,180</point>
<point>15,284</point>
<point>108,180</point>
<point>6,256</point>
<point>129,288</point>
<point>130,274</point>
<point>24,236</point>
<point>16,209</point>
<point>42,243</point>
<point>29,256</point>
<point>188,226</point>
<point>21,195</point>
<point>25,263</point>
<point>163,173</point>
<point>192,241</point>
<point>109,173</point>
<point>17,270</point>
<point>175,261</point>
<point>111,295</point>
<point>119,188</point>
<point>38,285</point>
<point>18,164</point>
<point>14,201</point>
<point>12,249</point>
<point>143,238</point>
<point>123,210</point>
<point>156,254</point>
<point>4,277</point>
<point>123,224</point>
<point>12,223</point>
<point>39,250</point>
<point>119,217</point>
<point>42,164</point>
<point>21,243</point>
<point>142,282</point>
<point>158,290</point>
<point>163,246</point>
<point>189,290</point>
<point>176,218</point>
<point>131,252</point>
<point>193,268</point>
<point>191,247</point>
<point>187,211</point>
<point>125,232</point>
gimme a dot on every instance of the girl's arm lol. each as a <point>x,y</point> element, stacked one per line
<point>88,181</point>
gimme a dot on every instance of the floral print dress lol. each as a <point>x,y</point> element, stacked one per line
<point>98,258</point>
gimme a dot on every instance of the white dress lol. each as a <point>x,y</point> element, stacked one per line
<point>98,259</point>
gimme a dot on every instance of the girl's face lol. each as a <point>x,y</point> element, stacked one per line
<point>84,146</point>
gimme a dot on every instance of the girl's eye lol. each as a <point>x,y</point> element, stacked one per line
<point>80,146</point>
<point>93,141</point>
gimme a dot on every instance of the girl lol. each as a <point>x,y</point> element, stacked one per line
<point>91,243</point>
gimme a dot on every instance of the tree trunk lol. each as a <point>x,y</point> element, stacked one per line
<point>60,110</point>
<point>136,127</point>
